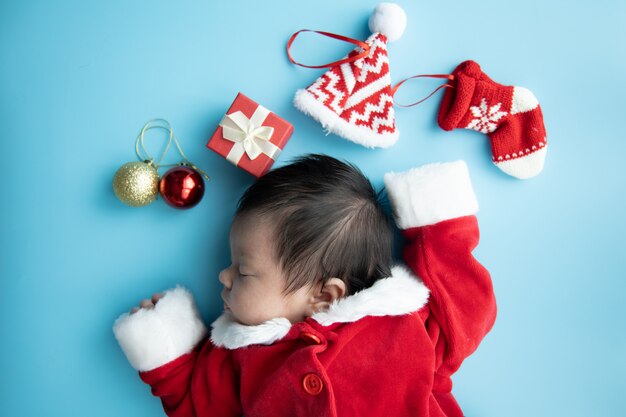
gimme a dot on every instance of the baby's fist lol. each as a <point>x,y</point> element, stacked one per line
<point>147,303</point>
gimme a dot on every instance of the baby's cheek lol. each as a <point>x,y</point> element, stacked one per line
<point>244,302</point>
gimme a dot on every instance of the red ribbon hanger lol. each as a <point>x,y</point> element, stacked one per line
<point>449,77</point>
<point>362,45</point>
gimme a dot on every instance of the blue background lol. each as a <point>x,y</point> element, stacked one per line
<point>78,81</point>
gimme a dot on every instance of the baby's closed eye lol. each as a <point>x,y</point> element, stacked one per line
<point>245,273</point>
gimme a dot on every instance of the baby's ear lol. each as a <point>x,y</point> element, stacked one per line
<point>333,289</point>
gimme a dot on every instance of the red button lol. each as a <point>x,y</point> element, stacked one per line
<point>310,338</point>
<point>312,384</point>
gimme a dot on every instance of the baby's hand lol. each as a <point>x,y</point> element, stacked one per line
<point>147,304</point>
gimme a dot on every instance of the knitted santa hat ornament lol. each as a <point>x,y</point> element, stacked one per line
<point>353,98</point>
<point>509,115</point>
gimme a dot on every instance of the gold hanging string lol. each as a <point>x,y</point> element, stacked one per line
<point>153,124</point>
<point>145,156</point>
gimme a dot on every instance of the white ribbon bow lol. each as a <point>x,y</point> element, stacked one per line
<point>249,135</point>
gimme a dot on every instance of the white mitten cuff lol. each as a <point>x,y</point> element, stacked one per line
<point>153,337</point>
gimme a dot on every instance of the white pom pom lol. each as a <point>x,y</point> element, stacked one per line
<point>388,19</point>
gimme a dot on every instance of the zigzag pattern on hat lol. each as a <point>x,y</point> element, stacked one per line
<point>354,99</point>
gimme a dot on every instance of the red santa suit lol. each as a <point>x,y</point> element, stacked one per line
<point>388,350</point>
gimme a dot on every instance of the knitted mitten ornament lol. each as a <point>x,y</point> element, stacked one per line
<point>509,115</point>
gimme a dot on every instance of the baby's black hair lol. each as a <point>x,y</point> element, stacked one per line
<point>329,222</point>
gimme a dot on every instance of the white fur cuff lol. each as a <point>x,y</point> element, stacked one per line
<point>430,194</point>
<point>153,337</point>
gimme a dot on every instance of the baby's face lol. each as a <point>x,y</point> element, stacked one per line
<point>254,283</point>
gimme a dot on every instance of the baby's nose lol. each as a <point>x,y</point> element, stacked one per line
<point>224,278</point>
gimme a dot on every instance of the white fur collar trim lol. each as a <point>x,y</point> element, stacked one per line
<point>232,335</point>
<point>400,294</point>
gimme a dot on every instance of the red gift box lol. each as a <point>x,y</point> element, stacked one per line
<point>250,136</point>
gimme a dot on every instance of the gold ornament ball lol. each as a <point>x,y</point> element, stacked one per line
<point>136,183</point>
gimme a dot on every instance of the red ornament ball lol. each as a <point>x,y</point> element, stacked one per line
<point>182,187</point>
